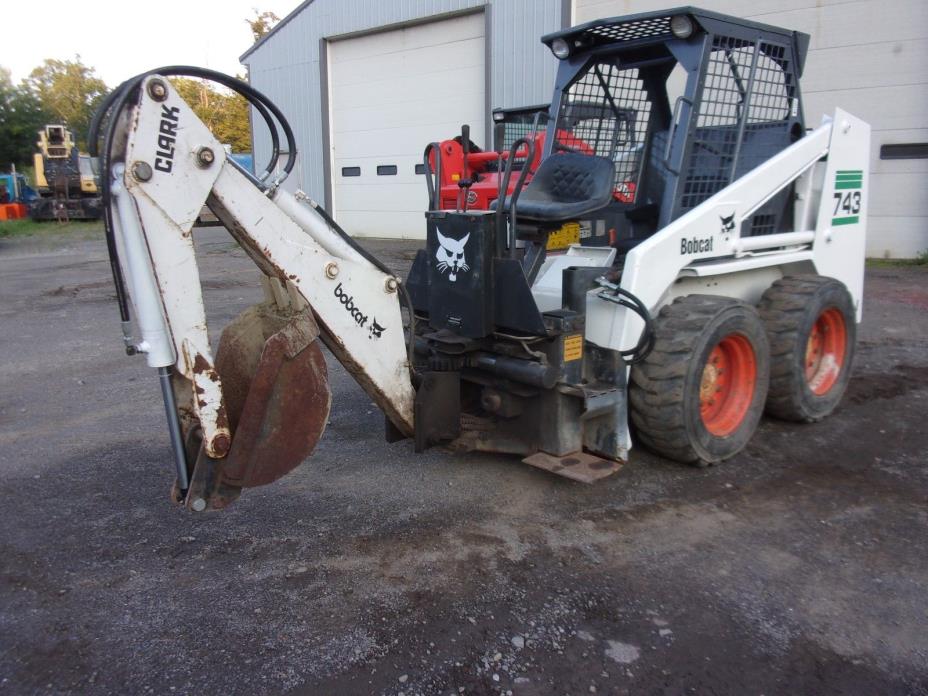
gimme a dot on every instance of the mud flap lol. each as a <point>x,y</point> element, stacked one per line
<point>277,395</point>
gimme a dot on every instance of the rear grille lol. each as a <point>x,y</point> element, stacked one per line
<point>763,224</point>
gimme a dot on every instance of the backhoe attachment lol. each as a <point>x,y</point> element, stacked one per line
<point>256,410</point>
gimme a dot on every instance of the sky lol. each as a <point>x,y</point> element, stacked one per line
<point>123,38</point>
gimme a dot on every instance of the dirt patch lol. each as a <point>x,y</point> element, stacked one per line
<point>898,381</point>
<point>75,290</point>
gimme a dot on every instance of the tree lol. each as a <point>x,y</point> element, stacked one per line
<point>69,92</point>
<point>21,116</point>
<point>262,23</point>
<point>225,114</point>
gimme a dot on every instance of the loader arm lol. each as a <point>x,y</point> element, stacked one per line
<point>317,284</point>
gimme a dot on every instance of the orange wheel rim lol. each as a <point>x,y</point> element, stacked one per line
<point>727,386</point>
<point>825,351</point>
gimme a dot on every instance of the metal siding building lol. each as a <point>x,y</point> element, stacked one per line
<point>291,66</point>
<point>867,56</point>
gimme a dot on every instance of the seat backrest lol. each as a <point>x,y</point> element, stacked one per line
<point>571,178</point>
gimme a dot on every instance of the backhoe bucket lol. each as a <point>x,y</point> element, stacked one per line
<point>277,397</point>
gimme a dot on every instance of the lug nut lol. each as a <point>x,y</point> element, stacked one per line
<point>331,270</point>
<point>157,90</point>
<point>205,157</point>
<point>142,171</point>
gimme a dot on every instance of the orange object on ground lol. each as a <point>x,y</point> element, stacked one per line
<point>13,211</point>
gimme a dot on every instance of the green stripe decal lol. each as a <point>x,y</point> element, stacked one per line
<point>849,184</point>
<point>850,171</point>
<point>845,220</point>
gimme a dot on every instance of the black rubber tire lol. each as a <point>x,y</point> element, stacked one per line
<point>664,390</point>
<point>789,309</point>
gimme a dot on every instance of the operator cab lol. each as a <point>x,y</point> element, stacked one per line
<point>682,102</point>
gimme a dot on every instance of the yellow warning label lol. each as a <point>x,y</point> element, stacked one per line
<point>573,347</point>
<point>564,237</point>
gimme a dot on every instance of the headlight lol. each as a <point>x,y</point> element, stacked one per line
<point>498,115</point>
<point>560,48</point>
<point>681,26</point>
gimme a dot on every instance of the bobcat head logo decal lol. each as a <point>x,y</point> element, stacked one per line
<point>450,255</point>
<point>376,330</point>
<point>728,223</point>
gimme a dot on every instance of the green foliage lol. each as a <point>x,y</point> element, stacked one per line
<point>21,116</point>
<point>69,92</point>
<point>262,23</point>
<point>224,113</point>
<point>921,259</point>
<point>81,229</point>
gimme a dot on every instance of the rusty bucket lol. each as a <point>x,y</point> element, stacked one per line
<point>277,397</point>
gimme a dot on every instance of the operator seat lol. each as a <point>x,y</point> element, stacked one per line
<point>565,187</point>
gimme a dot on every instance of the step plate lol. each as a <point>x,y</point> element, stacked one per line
<point>579,466</point>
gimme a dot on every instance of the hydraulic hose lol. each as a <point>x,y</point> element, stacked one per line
<point>617,295</point>
<point>110,112</point>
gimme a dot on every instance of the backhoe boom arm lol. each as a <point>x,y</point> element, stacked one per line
<point>171,166</point>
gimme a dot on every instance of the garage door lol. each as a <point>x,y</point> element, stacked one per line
<point>392,93</point>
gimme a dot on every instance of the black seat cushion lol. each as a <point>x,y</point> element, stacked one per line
<point>566,186</point>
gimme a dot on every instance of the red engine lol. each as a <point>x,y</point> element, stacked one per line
<point>485,169</point>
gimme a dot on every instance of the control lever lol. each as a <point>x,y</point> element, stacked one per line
<point>465,182</point>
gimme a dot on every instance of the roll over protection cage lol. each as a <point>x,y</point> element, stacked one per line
<point>740,105</point>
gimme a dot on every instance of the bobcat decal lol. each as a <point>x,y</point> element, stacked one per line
<point>728,223</point>
<point>450,255</point>
<point>376,330</point>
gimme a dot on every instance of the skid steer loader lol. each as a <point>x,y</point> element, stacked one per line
<point>733,284</point>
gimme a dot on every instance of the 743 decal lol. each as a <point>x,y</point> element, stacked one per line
<point>848,186</point>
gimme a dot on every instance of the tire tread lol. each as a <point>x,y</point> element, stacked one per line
<point>782,309</point>
<point>657,388</point>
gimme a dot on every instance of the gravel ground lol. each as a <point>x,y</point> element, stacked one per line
<point>798,567</point>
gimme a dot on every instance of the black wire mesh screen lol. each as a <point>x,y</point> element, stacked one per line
<point>742,116</point>
<point>629,31</point>
<point>607,111</point>
<point>520,126</point>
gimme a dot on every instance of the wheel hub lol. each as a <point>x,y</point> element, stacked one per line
<point>825,351</point>
<point>727,385</point>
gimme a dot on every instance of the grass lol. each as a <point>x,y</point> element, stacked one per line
<point>920,260</point>
<point>29,228</point>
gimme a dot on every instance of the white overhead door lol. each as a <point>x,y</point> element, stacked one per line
<point>391,93</point>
